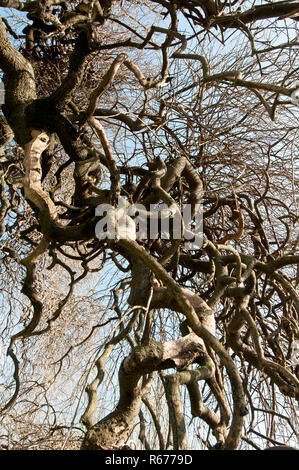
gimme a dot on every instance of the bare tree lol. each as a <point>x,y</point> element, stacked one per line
<point>154,103</point>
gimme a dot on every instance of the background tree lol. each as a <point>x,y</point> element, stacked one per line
<point>186,102</point>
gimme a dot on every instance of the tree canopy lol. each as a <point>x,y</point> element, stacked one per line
<point>181,337</point>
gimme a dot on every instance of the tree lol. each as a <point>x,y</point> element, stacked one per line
<point>159,106</point>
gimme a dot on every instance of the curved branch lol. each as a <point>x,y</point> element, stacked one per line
<point>240,409</point>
